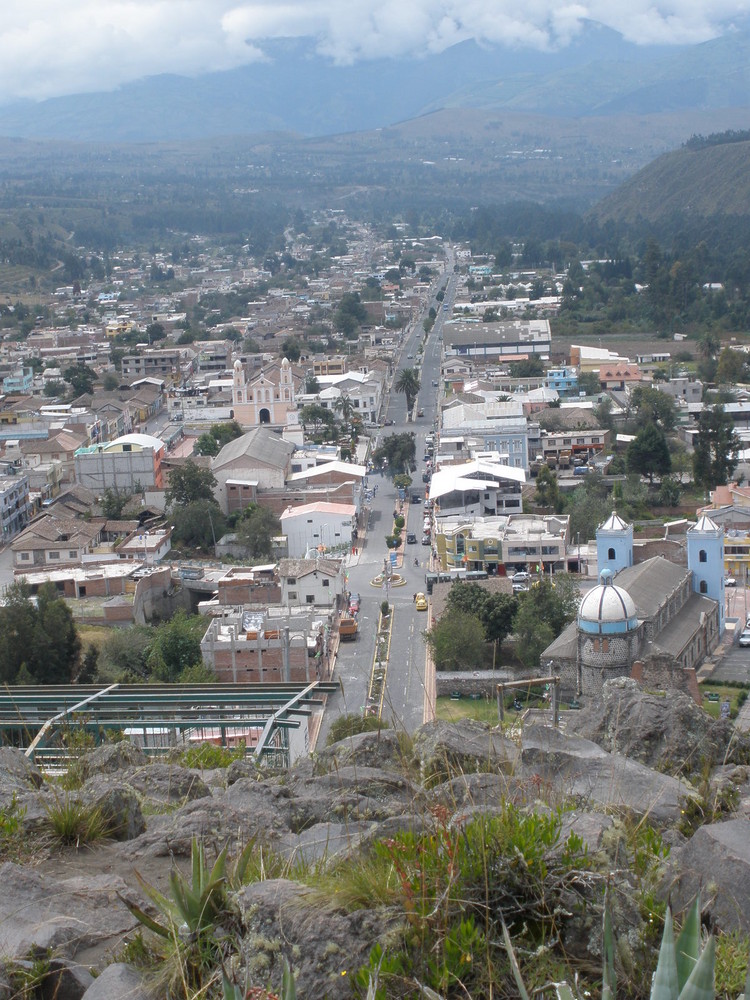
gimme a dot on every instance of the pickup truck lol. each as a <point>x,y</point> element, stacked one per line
<point>348,629</point>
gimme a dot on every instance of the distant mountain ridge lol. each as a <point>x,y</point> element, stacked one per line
<point>297,91</point>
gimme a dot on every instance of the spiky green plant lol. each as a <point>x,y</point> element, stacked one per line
<point>684,970</point>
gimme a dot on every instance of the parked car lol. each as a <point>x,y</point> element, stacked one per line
<point>520,577</point>
<point>519,588</point>
<point>425,477</point>
<point>354,602</point>
<point>434,383</point>
<point>425,539</point>
<point>745,638</point>
<point>729,581</point>
<point>421,602</point>
<point>411,538</point>
<point>416,498</point>
<point>420,412</point>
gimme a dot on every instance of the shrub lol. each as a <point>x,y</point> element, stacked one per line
<point>350,725</point>
<point>74,822</point>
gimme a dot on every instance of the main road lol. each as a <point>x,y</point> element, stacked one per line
<point>404,701</point>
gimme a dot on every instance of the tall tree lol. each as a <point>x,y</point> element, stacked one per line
<point>408,383</point>
<point>648,454</point>
<point>715,449</point>
<point>189,482</point>
<point>256,530</point>
<point>457,641</point>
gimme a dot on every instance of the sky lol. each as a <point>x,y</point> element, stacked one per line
<point>51,49</point>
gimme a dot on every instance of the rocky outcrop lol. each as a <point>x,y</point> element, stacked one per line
<point>64,915</point>
<point>605,781</point>
<point>716,862</point>
<point>334,808</point>
<point>668,732</point>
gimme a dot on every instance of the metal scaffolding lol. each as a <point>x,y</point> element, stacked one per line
<point>45,720</point>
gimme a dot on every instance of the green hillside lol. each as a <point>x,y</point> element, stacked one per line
<point>704,179</point>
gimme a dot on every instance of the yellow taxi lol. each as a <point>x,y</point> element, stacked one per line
<point>421,602</point>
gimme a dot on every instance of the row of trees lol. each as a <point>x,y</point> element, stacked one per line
<point>40,642</point>
<point>475,619</point>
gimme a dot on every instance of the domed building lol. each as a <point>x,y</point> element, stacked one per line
<point>654,610</point>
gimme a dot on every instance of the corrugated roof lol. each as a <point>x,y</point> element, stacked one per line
<point>649,582</point>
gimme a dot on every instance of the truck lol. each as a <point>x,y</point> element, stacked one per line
<point>348,629</point>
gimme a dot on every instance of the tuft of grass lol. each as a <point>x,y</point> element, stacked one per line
<point>208,757</point>
<point>72,822</point>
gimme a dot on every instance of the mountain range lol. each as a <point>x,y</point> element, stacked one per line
<point>296,91</point>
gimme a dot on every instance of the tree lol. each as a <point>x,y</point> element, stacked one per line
<point>457,641</point>
<point>547,489</point>
<point>206,445</point>
<point>397,451</point>
<point>654,407</point>
<point>189,482</point>
<point>110,381</point>
<point>256,530</point>
<point>589,383</point>
<point>648,453</point>
<point>531,367</point>
<point>408,383</point>
<point>715,448</point>
<point>543,612</point>
<point>54,389</point>
<point>345,407</point>
<point>495,611</point>
<point>198,524</point>
<point>40,641</point>
<point>176,646</point>
<point>731,367</point>
<point>314,414</point>
<point>80,378</point>
<point>312,385</point>
<point>113,503</point>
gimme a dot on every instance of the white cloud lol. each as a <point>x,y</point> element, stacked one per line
<point>49,48</point>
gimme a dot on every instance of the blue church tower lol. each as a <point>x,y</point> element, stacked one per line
<point>705,555</point>
<point>614,545</point>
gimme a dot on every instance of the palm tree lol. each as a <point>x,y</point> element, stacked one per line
<point>708,344</point>
<point>408,383</point>
<point>345,407</point>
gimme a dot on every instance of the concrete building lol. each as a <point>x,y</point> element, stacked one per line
<point>488,426</point>
<point>327,527</point>
<point>480,488</point>
<point>130,461</point>
<point>319,582</point>
<point>503,545</point>
<point>512,340</point>
<point>14,505</point>
<point>274,645</point>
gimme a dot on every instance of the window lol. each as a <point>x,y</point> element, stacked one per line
<point>702,555</point>
<point>25,556</point>
<point>611,554</point>
<point>291,581</point>
<point>292,595</point>
<point>71,554</point>
<point>326,583</point>
<point>704,587</point>
<point>605,645</point>
<point>310,598</point>
<point>53,555</point>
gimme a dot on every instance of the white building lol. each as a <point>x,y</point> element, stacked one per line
<point>323,526</point>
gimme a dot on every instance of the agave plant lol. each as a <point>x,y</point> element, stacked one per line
<point>194,906</point>
<point>684,971</point>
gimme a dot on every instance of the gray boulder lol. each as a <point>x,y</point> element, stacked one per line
<point>580,770</point>
<point>716,863</point>
<point>119,982</point>
<point>667,732</point>
<point>18,774</point>
<point>38,912</point>
<point>110,757</point>
<point>325,944</point>
<point>446,750</point>
<point>65,980</point>
<point>167,784</point>
<point>381,749</point>
<point>119,805</point>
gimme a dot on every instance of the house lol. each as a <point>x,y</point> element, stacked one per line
<point>54,541</point>
<point>260,458</point>
<point>14,505</point>
<point>478,487</point>
<point>319,582</point>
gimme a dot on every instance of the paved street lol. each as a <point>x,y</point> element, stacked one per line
<point>404,699</point>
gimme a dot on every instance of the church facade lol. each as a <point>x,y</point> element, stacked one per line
<point>269,398</point>
<point>655,608</point>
